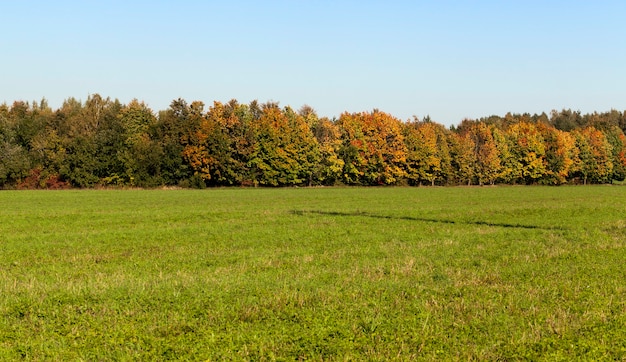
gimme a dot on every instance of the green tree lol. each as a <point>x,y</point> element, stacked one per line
<point>174,130</point>
<point>284,150</point>
<point>109,138</point>
<point>140,153</point>
<point>14,163</point>
<point>91,137</point>
<point>28,125</point>
<point>566,120</point>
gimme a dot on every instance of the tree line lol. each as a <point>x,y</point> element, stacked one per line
<point>102,142</point>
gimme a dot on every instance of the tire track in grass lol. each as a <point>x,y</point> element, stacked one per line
<point>424,219</point>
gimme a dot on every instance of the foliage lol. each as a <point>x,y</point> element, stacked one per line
<point>463,158</point>
<point>373,148</point>
<point>101,142</point>
<point>428,155</point>
<point>328,135</point>
<point>527,147</point>
<point>487,164</point>
<point>595,157</point>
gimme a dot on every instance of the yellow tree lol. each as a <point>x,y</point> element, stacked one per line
<point>559,153</point>
<point>567,153</point>
<point>487,166</point>
<point>428,153</point>
<point>463,158</point>
<point>330,166</point>
<point>507,161</point>
<point>594,162</point>
<point>527,147</point>
<point>615,136</point>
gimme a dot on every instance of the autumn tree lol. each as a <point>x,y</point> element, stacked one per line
<point>103,142</point>
<point>527,147</point>
<point>330,166</point>
<point>487,166</point>
<point>462,157</point>
<point>428,156</point>
<point>616,138</point>
<point>560,153</point>
<point>372,149</point>
<point>235,142</point>
<point>594,162</point>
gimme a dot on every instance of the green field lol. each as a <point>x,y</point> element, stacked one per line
<point>494,273</point>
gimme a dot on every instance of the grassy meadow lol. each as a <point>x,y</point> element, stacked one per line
<point>493,273</point>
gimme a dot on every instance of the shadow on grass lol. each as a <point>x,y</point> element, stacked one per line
<point>424,219</point>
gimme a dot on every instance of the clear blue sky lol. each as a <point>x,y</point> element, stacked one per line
<point>448,59</point>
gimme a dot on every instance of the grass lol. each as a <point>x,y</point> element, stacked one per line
<point>494,273</point>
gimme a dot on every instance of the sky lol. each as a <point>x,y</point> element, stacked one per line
<point>450,60</point>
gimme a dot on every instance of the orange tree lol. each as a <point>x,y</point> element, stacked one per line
<point>372,148</point>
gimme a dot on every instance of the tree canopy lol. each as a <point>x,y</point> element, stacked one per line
<point>102,142</point>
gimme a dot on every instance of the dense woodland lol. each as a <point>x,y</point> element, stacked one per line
<point>102,142</point>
